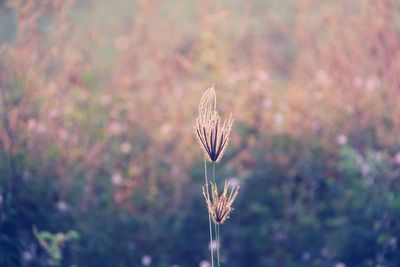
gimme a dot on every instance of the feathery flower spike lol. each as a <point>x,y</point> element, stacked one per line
<point>211,132</point>
<point>220,207</point>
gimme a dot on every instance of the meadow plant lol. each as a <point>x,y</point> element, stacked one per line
<point>213,137</point>
<point>53,243</point>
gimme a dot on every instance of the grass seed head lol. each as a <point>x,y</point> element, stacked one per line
<point>220,207</point>
<point>212,133</point>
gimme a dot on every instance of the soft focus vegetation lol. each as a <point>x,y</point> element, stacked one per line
<point>97,107</point>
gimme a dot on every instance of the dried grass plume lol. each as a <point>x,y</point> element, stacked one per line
<point>211,131</point>
<point>220,207</point>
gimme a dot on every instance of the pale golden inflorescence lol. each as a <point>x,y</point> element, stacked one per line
<point>212,133</point>
<point>220,207</point>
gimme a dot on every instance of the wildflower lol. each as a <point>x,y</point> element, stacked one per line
<point>204,264</point>
<point>306,256</point>
<point>54,113</point>
<point>397,158</point>
<point>213,245</point>
<point>126,147</point>
<point>212,133</point>
<point>27,256</point>
<point>341,139</point>
<point>372,83</point>
<point>279,118</point>
<point>116,179</point>
<point>266,103</point>
<point>220,207</point>
<point>323,78</point>
<point>62,206</point>
<point>63,134</point>
<point>115,128</point>
<point>263,75</point>
<point>146,260</point>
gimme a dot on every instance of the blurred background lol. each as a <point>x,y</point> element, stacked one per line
<point>99,165</point>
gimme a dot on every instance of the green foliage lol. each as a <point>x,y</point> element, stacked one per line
<point>296,213</point>
<point>53,243</point>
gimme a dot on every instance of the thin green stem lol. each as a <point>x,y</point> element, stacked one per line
<point>218,245</point>
<point>209,216</point>
<point>213,165</point>
<point>216,226</point>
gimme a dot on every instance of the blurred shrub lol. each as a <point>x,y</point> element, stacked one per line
<point>97,102</point>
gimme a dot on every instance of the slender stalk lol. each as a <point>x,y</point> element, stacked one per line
<point>218,244</point>
<point>209,216</point>
<point>213,178</point>
<point>216,226</point>
<point>213,165</point>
